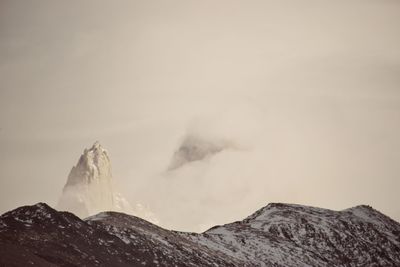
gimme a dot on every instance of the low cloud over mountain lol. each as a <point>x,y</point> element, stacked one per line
<point>195,147</point>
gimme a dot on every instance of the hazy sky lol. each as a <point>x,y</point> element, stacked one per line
<point>309,91</point>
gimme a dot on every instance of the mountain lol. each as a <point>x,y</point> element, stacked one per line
<point>90,188</point>
<point>195,148</point>
<point>277,235</point>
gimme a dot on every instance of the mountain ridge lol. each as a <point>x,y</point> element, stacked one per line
<point>276,235</point>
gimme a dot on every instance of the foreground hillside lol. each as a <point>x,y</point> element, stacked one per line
<point>276,235</point>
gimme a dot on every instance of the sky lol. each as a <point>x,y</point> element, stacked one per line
<point>307,90</point>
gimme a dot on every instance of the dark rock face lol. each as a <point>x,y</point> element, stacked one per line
<point>46,237</point>
<point>276,235</point>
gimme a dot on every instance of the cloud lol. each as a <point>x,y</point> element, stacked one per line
<point>195,148</point>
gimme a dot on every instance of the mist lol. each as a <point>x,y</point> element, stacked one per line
<point>306,92</point>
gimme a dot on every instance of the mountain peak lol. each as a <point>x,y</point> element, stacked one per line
<point>96,148</point>
<point>94,164</point>
<point>96,145</point>
<point>196,148</point>
<point>38,208</point>
<point>25,216</point>
<point>90,187</point>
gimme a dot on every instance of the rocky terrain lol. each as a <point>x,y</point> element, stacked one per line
<point>276,235</point>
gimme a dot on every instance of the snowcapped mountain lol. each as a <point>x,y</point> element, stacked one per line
<point>277,235</point>
<point>90,188</point>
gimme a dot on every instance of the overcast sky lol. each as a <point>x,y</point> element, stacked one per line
<point>309,91</point>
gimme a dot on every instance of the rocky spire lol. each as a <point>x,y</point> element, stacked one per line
<point>90,188</point>
<point>93,165</point>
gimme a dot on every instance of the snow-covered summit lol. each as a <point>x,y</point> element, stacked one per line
<point>90,187</point>
<point>94,164</point>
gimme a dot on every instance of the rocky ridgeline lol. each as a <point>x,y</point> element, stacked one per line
<point>276,235</point>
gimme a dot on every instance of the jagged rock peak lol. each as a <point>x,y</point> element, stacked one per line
<point>94,164</point>
<point>90,188</point>
<point>95,150</point>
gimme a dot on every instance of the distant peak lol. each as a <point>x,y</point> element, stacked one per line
<point>196,148</point>
<point>94,164</point>
<point>96,146</point>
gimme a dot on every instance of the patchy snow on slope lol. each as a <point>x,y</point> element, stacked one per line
<point>278,235</point>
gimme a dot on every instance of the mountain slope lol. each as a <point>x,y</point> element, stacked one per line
<point>294,235</point>
<point>276,235</point>
<point>47,237</point>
